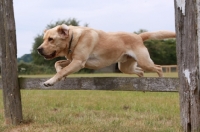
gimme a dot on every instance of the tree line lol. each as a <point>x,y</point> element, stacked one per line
<point>162,52</point>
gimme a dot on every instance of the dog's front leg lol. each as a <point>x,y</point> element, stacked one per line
<point>59,65</point>
<point>74,66</point>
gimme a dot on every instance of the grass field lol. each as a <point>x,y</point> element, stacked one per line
<point>96,111</point>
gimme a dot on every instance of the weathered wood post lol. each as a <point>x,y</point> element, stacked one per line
<point>8,50</point>
<point>188,54</point>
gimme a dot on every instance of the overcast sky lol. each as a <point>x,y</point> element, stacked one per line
<point>31,17</point>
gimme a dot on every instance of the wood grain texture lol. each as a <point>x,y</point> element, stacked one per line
<point>11,91</point>
<point>188,64</point>
<point>105,83</point>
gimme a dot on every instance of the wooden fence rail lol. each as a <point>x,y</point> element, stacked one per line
<point>169,68</point>
<point>104,83</point>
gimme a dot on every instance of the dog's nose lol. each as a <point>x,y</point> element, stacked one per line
<point>40,49</point>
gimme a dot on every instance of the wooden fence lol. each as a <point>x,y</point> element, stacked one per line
<point>169,68</point>
<point>104,83</point>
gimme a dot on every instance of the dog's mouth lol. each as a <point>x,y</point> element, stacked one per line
<point>50,56</point>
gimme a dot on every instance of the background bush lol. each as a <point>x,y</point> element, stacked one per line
<point>29,68</point>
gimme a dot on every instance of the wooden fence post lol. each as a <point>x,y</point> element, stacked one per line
<point>8,50</point>
<point>187,14</point>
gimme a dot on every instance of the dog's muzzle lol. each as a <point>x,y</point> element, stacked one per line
<point>40,50</point>
<point>50,56</point>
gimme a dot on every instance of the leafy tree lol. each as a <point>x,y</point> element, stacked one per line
<point>162,52</point>
<point>70,21</point>
<point>27,58</point>
<point>140,31</point>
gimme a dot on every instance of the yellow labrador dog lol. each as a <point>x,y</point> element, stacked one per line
<point>89,48</point>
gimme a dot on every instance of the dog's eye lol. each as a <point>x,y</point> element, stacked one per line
<point>50,39</point>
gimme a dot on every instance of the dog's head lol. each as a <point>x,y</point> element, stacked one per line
<point>55,42</point>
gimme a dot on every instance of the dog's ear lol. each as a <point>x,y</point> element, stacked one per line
<point>63,31</point>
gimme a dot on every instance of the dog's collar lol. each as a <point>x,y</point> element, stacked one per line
<point>70,43</point>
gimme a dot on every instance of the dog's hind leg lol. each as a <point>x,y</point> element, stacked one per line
<point>159,70</point>
<point>130,67</point>
<point>146,63</point>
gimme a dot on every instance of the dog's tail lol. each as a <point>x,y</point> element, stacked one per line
<point>157,35</point>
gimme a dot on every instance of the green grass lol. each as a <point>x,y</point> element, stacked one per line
<point>96,111</point>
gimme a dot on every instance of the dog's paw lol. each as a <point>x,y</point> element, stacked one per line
<point>48,83</point>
